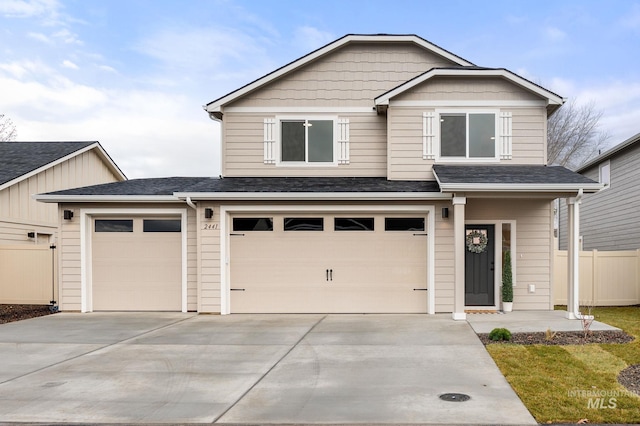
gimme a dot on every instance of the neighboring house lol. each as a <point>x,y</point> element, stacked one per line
<point>29,168</point>
<point>609,218</point>
<point>379,173</point>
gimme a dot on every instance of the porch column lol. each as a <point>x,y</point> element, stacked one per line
<point>458,259</point>
<point>573,258</point>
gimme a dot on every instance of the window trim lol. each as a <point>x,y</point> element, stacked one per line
<point>278,138</point>
<point>466,158</point>
<point>600,167</point>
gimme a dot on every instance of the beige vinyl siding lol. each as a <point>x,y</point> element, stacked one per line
<point>20,213</point>
<point>209,259</point>
<point>534,248</point>
<point>70,251</point>
<point>467,88</point>
<point>444,258</point>
<point>244,148</point>
<point>351,76</point>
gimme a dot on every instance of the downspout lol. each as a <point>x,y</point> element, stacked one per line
<point>576,305</point>
<point>191,203</point>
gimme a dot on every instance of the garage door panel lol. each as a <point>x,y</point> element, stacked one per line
<point>137,271</point>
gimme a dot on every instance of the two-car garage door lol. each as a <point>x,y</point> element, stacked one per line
<point>355,263</point>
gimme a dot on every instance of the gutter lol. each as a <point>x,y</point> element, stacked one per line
<point>190,203</point>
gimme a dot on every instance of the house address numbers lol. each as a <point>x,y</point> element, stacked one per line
<point>211,226</point>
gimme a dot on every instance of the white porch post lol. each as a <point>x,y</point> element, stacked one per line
<point>458,262</point>
<point>573,258</point>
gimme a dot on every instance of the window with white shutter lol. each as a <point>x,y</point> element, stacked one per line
<point>269,141</point>
<point>505,136</point>
<point>343,141</point>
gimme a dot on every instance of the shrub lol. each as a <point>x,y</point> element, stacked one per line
<point>507,279</point>
<point>500,334</point>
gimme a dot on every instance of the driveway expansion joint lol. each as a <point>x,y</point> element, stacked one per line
<point>295,345</point>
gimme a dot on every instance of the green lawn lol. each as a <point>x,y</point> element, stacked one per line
<point>565,384</point>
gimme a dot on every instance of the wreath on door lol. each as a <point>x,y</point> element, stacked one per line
<point>476,241</point>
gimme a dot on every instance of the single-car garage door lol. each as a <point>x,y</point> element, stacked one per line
<point>353,263</point>
<point>137,264</point>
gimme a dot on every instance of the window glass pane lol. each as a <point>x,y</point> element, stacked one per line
<point>404,224</point>
<point>293,141</point>
<point>482,135</point>
<point>252,224</point>
<point>353,224</point>
<point>114,225</point>
<point>161,225</point>
<point>320,140</point>
<point>453,135</point>
<point>303,224</point>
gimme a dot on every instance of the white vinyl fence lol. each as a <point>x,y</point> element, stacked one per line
<point>27,274</point>
<point>607,278</point>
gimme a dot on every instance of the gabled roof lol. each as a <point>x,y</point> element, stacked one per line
<point>21,160</point>
<point>216,105</point>
<point>511,178</point>
<point>611,152</point>
<point>179,188</point>
<point>553,99</point>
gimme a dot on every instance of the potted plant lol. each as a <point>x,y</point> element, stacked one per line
<point>507,283</point>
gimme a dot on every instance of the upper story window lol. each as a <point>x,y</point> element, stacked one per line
<point>317,141</point>
<point>306,141</point>
<point>468,135</point>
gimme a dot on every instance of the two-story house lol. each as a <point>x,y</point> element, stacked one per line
<point>379,173</point>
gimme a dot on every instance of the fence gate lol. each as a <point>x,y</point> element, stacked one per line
<point>27,274</point>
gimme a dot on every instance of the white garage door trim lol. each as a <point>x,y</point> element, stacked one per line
<point>86,216</point>
<point>225,220</point>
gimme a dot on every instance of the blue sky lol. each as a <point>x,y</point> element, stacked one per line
<point>134,74</point>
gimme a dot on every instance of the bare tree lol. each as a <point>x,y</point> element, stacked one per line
<point>8,130</point>
<point>574,135</point>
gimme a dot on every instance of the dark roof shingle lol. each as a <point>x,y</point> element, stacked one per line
<point>19,158</point>
<point>508,174</point>
<point>168,186</point>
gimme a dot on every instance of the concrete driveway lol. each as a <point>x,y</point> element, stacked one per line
<point>186,368</point>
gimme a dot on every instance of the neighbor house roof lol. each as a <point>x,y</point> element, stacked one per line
<point>216,105</point>
<point>511,178</point>
<point>611,152</point>
<point>553,100</point>
<point>178,188</point>
<point>21,160</point>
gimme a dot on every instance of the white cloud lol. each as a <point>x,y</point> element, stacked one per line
<point>28,8</point>
<point>554,34</point>
<point>310,38</point>
<point>40,37</point>
<point>68,64</point>
<point>107,68</point>
<point>67,36</point>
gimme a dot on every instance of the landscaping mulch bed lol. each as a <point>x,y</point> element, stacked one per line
<point>630,378</point>
<point>10,313</point>
<point>562,338</point>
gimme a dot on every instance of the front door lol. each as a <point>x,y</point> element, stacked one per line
<point>479,265</point>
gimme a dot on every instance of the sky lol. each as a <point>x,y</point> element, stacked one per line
<point>134,74</point>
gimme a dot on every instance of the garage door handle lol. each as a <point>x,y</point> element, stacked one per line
<point>420,289</point>
<point>237,289</point>
<point>330,274</point>
<point>417,235</point>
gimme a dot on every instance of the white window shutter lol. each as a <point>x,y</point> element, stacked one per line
<point>343,141</point>
<point>428,135</point>
<point>269,141</point>
<point>505,136</point>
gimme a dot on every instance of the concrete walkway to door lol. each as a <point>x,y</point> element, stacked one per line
<point>250,369</point>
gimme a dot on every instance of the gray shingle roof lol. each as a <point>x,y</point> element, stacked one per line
<point>168,186</point>
<point>20,158</point>
<point>508,174</point>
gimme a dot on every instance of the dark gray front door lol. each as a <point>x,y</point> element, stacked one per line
<point>479,265</point>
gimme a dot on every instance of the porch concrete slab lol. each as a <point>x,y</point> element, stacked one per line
<point>383,369</point>
<point>184,368</point>
<point>530,321</point>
